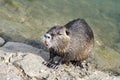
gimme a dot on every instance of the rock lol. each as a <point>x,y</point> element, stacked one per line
<point>98,75</point>
<point>9,72</point>
<point>19,47</point>
<point>2,41</point>
<point>20,61</point>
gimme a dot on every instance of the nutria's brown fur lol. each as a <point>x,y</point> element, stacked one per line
<point>73,42</point>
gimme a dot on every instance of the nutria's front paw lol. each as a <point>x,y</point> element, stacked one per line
<point>50,65</point>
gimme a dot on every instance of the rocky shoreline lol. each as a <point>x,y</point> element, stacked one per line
<point>19,61</point>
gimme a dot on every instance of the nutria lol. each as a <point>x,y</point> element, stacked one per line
<point>73,42</point>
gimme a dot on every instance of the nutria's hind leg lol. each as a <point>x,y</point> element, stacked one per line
<point>77,63</point>
<point>65,62</point>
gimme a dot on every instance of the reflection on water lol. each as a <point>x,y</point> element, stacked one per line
<point>30,19</point>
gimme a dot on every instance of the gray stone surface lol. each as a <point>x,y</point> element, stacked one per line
<point>2,41</point>
<point>19,61</point>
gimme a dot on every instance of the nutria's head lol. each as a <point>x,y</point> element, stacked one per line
<point>57,38</point>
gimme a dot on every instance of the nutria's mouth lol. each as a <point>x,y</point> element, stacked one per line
<point>46,43</point>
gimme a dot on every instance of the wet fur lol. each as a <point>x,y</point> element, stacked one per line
<point>72,42</point>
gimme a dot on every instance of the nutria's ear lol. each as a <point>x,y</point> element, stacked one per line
<point>67,32</point>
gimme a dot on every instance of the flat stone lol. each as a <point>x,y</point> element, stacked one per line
<point>19,47</point>
<point>2,41</point>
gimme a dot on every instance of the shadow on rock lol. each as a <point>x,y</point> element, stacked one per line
<point>21,44</point>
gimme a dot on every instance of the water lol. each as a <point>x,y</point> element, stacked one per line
<point>24,20</point>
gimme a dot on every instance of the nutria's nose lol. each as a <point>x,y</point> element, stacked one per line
<point>46,43</point>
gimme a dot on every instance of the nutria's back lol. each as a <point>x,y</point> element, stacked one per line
<point>73,41</point>
<point>82,39</point>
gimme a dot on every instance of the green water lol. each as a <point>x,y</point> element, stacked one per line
<point>23,20</point>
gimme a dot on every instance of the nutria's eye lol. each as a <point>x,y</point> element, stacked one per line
<point>47,36</point>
